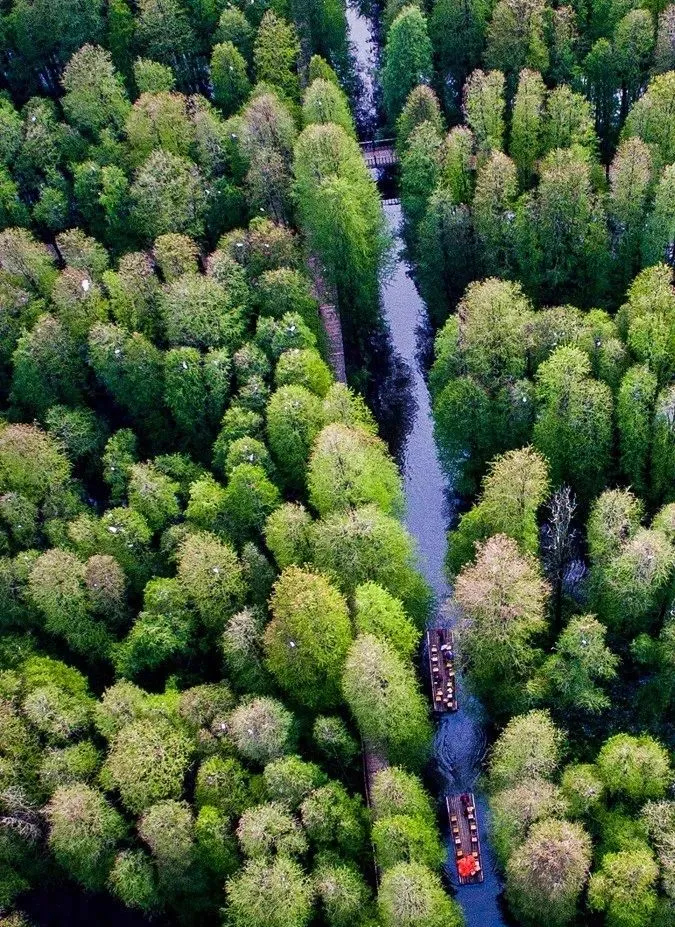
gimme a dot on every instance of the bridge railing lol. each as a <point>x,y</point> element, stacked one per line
<point>377,145</point>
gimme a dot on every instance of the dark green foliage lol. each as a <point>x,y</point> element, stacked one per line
<point>574,428</point>
<point>340,213</point>
<point>407,59</point>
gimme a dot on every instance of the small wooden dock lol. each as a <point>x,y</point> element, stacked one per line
<point>440,646</point>
<point>465,838</point>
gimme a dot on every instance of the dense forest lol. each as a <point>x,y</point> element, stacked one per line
<point>210,608</point>
<point>537,147</point>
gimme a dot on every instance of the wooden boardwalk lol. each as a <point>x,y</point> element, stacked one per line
<point>373,762</point>
<point>465,839</point>
<point>330,318</point>
<point>336,348</point>
<point>441,655</point>
<point>380,154</point>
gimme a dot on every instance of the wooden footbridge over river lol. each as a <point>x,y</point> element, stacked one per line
<point>380,153</point>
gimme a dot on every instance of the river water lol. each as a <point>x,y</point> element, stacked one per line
<point>460,741</point>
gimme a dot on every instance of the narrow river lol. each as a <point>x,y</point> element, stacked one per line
<point>460,742</point>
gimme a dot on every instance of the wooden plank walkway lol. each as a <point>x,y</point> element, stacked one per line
<point>441,655</point>
<point>336,348</point>
<point>381,153</point>
<point>464,836</point>
<point>331,321</point>
<point>373,762</point>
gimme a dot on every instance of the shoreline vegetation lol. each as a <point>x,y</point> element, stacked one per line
<point>208,596</point>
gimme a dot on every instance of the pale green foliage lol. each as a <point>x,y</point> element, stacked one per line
<point>334,819</point>
<point>350,468</point>
<point>583,788</point>
<point>153,495</point>
<point>262,730</point>
<point>223,784</point>
<point>294,418</point>
<point>57,587</point>
<point>377,612</point>
<point>95,96</point>
<point>326,102</point>
<point>574,427</point>
<point>153,77</point>
<point>290,780</point>
<point>634,412</point>
<point>530,746</point>
<point>549,872</point>
<point>625,887</point>
<point>340,213</point>
<point>167,827</point>
<point>231,86</point>
<point>31,462</point>
<point>270,829</point>
<point>400,838</point>
<point>494,316</point>
<point>363,545</point>
<point>569,121</point>
<point>341,889</point>
<point>503,599</point>
<point>663,454</point>
<point>635,768</point>
<point>198,311</point>
<point>168,196</point>
<point>384,698</point>
<point>397,792</point>
<point>334,740</point>
<point>287,534</point>
<point>211,575</point>
<point>512,491</point>
<point>306,641</point>
<point>660,820</point>
<point>515,36</point>
<point>132,879</point>
<point>276,53</point>
<point>457,160</point>
<point>421,106</point>
<point>630,589</point>
<point>242,651</point>
<point>516,809</point>
<point>411,895</point>
<point>647,320</point>
<point>652,118</point>
<point>659,233</point>
<point>493,210</point>
<point>527,123</point>
<point>264,894</point>
<point>65,766</point>
<point>84,832</point>
<point>614,518</point>
<point>147,762</point>
<point>304,368</point>
<point>343,405</point>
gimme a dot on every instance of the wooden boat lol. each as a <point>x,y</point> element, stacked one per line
<point>465,838</point>
<point>440,646</point>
